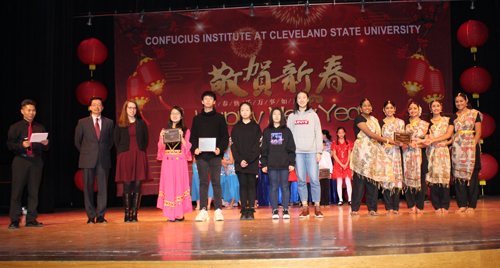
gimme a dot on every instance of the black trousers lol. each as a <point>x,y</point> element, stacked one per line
<point>212,165</point>
<point>247,189</point>
<point>467,195</point>
<point>325,192</point>
<point>358,191</point>
<point>391,201</point>
<point>440,197</point>
<point>90,176</point>
<point>25,171</point>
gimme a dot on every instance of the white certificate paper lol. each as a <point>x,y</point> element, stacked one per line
<point>206,144</point>
<point>38,137</point>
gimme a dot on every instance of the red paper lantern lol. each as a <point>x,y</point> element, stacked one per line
<point>86,90</point>
<point>92,52</point>
<point>434,85</point>
<point>136,90</point>
<point>475,80</point>
<point>488,126</point>
<point>472,34</point>
<point>415,74</point>
<point>150,72</point>
<point>489,167</point>
<point>79,181</point>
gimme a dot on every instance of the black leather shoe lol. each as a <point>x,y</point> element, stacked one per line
<point>91,221</point>
<point>101,220</point>
<point>34,223</point>
<point>181,219</point>
<point>244,214</point>
<point>250,213</point>
<point>14,225</point>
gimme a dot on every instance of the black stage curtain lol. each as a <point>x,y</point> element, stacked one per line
<point>40,62</point>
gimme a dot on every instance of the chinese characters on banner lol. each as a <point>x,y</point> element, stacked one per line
<point>338,55</point>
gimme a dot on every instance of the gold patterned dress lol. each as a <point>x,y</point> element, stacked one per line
<point>463,149</point>
<point>390,127</point>
<point>439,168</point>
<point>412,157</point>
<point>369,158</point>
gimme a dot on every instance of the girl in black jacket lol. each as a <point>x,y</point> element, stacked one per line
<point>245,136</point>
<point>278,159</point>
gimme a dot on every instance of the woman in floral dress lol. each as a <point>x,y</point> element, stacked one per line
<point>438,155</point>
<point>465,155</point>
<point>389,126</point>
<point>414,161</point>
<point>369,162</point>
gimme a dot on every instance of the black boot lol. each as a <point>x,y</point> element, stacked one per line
<point>250,213</point>
<point>136,201</point>
<point>244,215</point>
<point>126,207</point>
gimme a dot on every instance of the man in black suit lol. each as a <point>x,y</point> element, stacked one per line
<point>94,138</point>
<point>26,166</point>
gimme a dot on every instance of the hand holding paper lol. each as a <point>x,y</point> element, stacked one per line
<point>39,137</point>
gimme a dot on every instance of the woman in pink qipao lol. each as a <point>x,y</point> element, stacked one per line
<point>174,196</point>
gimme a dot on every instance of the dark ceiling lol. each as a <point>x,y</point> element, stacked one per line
<point>96,7</point>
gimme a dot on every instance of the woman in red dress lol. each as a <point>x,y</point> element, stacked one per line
<point>131,140</point>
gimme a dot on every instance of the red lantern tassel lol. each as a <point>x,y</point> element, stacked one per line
<point>163,103</point>
<point>144,118</point>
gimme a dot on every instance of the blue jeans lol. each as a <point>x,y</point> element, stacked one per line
<point>282,176</point>
<point>306,165</point>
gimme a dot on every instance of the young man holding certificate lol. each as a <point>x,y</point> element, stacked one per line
<point>27,164</point>
<point>209,138</point>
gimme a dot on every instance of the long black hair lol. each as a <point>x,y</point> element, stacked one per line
<point>361,104</point>
<point>250,106</point>
<point>327,134</point>
<point>389,102</point>
<point>296,105</point>
<point>418,106</point>
<point>469,106</point>
<point>430,107</point>
<point>339,128</point>
<point>181,124</point>
<point>282,120</point>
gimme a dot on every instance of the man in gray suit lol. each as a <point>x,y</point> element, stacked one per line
<point>94,138</point>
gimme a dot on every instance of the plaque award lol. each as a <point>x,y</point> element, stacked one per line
<point>404,138</point>
<point>324,173</point>
<point>171,136</point>
<point>207,144</point>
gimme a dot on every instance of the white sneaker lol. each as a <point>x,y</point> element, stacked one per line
<point>286,214</point>
<point>218,215</point>
<point>276,215</point>
<point>202,216</point>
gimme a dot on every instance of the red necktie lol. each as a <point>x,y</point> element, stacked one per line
<point>97,128</point>
<point>30,149</point>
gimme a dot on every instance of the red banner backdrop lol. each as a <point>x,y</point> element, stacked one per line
<point>336,53</point>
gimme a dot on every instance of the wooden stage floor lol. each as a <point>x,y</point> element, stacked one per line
<point>338,238</point>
